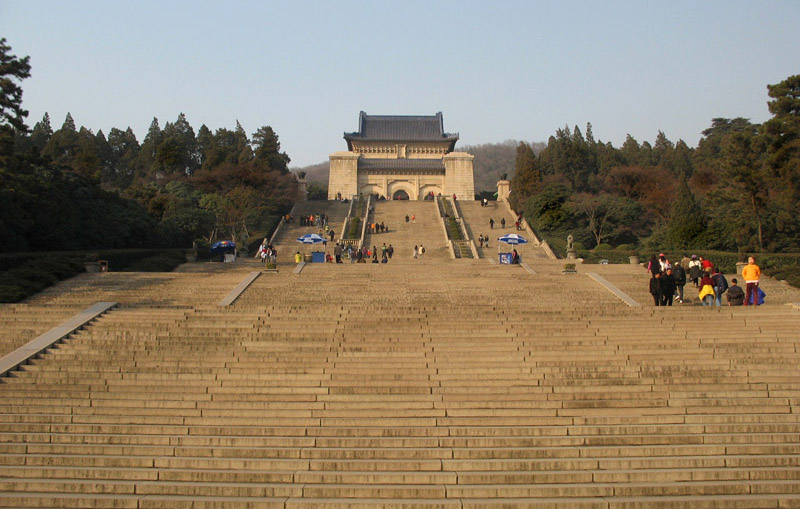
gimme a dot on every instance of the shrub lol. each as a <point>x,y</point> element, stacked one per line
<point>603,247</point>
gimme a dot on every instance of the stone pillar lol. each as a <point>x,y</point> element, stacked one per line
<point>458,178</point>
<point>343,177</point>
<point>503,190</point>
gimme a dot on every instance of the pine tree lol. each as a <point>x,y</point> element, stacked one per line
<point>687,222</point>
<point>527,177</point>
<point>12,70</point>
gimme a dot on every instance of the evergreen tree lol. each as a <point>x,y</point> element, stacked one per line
<point>527,177</point>
<point>784,131</point>
<point>12,71</point>
<point>267,149</point>
<point>62,146</point>
<point>687,223</point>
<point>149,149</point>
<point>124,154</point>
<point>41,133</point>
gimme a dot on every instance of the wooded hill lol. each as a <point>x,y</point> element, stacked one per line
<point>738,190</point>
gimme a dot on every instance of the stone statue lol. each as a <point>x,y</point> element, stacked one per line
<point>571,254</point>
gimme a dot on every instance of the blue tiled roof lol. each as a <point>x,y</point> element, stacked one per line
<point>400,128</point>
<point>400,164</point>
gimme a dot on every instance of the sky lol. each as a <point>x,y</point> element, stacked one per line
<point>497,70</point>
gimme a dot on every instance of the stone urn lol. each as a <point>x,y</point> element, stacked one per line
<point>191,257</point>
<point>634,260</point>
<point>92,266</point>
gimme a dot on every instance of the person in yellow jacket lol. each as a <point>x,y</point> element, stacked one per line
<point>298,257</point>
<point>707,295</point>
<point>751,273</point>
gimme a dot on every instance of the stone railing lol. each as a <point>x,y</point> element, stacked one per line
<point>364,220</point>
<point>281,224</point>
<point>539,242</point>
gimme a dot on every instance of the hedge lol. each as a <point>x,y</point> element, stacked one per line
<point>25,274</point>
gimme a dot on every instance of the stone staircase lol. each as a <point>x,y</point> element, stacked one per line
<point>425,229</point>
<point>477,219</point>
<point>417,383</point>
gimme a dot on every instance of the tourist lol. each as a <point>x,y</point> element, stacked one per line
<point>679,274</point>
<point>685,262</point>
<point>695,270</point>
<point>667,287</point>
<point>384,259</point>
<point>491,223</point>
<point>261,248</point>
<point>751,273</point>
<point>706,264</point>
<point>375,253</point>
<point>337,253</point>
<point>735,294</point>
<point>298,257</point>
<point>413,218</point>
<point>390,250</point>
<point>416,251</point>
<point>663,262</point>
<point>653,267</point>
<point>502,222</point>
<point>421,250</point>
<point>515,256</point>
<point>707,294</point>
<point>384,249</point>
<point>655,288</point>
<point>720,285</point>
<point>406,218</point>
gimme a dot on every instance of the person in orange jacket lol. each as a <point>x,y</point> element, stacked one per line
<point>751,273</point>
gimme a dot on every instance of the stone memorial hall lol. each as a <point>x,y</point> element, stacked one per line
<point>401,157</point>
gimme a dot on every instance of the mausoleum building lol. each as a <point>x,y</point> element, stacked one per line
<point>401,157</point>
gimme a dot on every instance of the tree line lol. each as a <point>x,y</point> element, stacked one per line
<point>738,190</point>
<point>72,188</point>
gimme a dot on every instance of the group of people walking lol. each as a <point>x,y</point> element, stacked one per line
<point>667,282</point>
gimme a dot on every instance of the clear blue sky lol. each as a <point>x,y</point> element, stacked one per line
<point>497,70</point>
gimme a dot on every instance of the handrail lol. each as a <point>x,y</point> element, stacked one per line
<point>281,223</point>
<point>541,243</point>
<point>364,222</point>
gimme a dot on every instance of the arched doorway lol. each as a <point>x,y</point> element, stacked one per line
<point>400,195</point>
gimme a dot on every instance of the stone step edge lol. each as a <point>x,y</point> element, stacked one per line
<point>240,288</point>
<point>613,289</point>
<point>55,335</point>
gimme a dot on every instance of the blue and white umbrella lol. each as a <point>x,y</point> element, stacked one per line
<point>310,238</point>
<point>512,238</point>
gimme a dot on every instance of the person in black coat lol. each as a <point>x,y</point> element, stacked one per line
<point>667,288</point>
<point>655,288</point>
<point>679,275</point>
